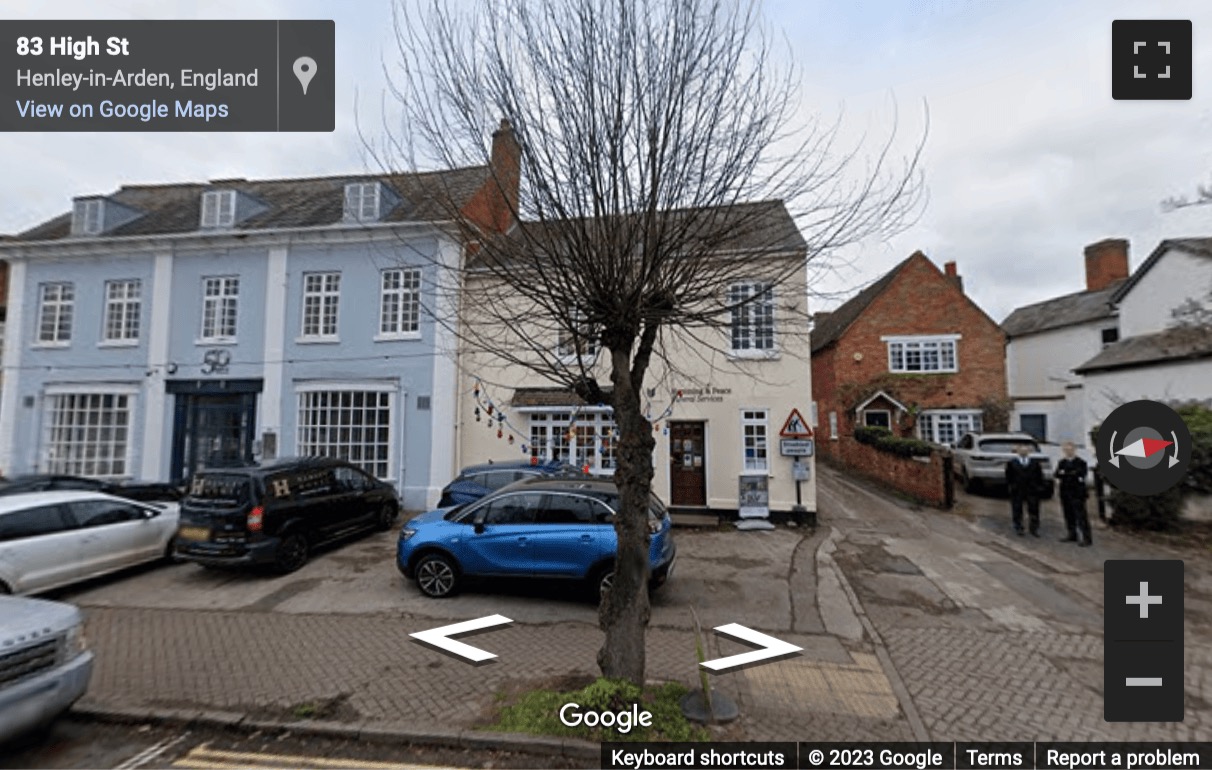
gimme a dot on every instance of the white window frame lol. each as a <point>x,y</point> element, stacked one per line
<point>306,390</point>
<point>327,295</point>
<point>901,346</point>
<point>53,435</point>
<point>61,335</point>
<point>88,216</point>
<point>833,429</point>
<point>565,343</point>
<point>124,311</point>
<point>750,315</point>
<point>553,425</point>
<point>406,296</point>
<point>357,194</point>
<point>961,421</point>
<point>215,307</point>
<point>218,209</point>
<point>755,417</point>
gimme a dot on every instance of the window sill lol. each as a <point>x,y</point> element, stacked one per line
<point>767,473</point>
<point>317,340</point>
<point>928,371</point>
<point>50,345</point>
<point>403,336</point>
<point>218,341</point>
<point>118,344</point>
<point>586,362</point>
<point>754,355</point>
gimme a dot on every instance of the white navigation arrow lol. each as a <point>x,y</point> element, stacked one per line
<point>770,648</point>
<point>440,638</point>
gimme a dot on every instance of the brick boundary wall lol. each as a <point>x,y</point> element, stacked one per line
<point>924,480</point>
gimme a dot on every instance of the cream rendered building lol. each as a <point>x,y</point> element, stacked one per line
<point>717,409</point>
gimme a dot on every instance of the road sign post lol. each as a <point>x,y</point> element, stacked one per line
<point>795,441</point>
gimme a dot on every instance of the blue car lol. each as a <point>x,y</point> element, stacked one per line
<point>544,528</point>
<point>476,481</point>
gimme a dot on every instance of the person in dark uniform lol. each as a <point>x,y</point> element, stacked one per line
<point>1025,479</point>
<point>1071,474</point>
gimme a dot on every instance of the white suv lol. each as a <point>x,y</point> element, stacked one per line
<point>45,665</point>
<point>980,459</point>
<point>51,539</point>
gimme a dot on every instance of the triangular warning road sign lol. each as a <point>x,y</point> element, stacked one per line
<point>796,426</point>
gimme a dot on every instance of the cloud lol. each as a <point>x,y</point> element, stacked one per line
<point>1028,157</point>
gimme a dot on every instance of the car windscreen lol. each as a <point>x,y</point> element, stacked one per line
<point>220,489</point>
<point>1007,445</point>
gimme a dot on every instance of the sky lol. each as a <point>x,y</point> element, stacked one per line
<point>1027,157</point>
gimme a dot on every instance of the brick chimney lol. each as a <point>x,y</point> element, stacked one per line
<point>494,204</point>
<point>506,170</point>
<point>1106,263</point>
<point>950,270</point>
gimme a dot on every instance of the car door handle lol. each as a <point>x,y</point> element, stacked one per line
<point>586,538</point>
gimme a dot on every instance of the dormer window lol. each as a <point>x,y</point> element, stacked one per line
<point>218,208</point>
<point>363,201</point>
<point>88,216</point>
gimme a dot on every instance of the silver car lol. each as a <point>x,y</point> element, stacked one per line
<point>980,459</point>
<point>45,665</point>
<point>52,539</point>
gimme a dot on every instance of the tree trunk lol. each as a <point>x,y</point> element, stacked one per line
<point>624,611</point>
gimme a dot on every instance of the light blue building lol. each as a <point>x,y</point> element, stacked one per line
<point>162,328</point>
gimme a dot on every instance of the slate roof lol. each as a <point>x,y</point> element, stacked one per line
<point>292,203</point>
<point>537,397</point>
<point>830,326</point>
<point>1059,312</point>
<point>758,226</point>
<point>1169,346</point>
<point>1199,246</point>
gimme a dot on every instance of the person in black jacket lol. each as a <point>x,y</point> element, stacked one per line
<point>1071,474</point>
<point>1025,479</point>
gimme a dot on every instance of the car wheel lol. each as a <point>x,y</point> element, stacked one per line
<point>291,554</point>
<point>387,517</point>
<point>602,581</point>
<point>170,552</point>
<point>970,484</point>
<point>5,590</point>
<point>437,576</point>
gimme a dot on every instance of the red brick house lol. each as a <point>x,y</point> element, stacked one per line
<point>912,353</point>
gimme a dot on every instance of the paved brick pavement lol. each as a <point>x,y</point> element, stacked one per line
<point>365,669</point>
<point>996,637</point>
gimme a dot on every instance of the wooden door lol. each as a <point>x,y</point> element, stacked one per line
<point>687,463</point>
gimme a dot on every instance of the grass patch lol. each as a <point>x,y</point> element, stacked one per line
<point>536,712</point>
<point>305,711</point>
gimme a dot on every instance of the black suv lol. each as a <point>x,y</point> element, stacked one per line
<point>275,514</point>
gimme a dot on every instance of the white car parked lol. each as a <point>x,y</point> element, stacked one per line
<point>52,539</point>
<point>980,459</point>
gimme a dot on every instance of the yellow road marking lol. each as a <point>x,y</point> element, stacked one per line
<point>203,758</point>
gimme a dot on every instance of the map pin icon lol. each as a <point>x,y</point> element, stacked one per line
<point>305,70</point>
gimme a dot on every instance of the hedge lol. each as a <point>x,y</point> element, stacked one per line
<point>883,440</point>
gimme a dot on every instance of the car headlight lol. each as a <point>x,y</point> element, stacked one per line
<point>407,532</point>
<point>75,642</point>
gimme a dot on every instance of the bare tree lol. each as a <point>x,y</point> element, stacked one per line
<point>656,142</point>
